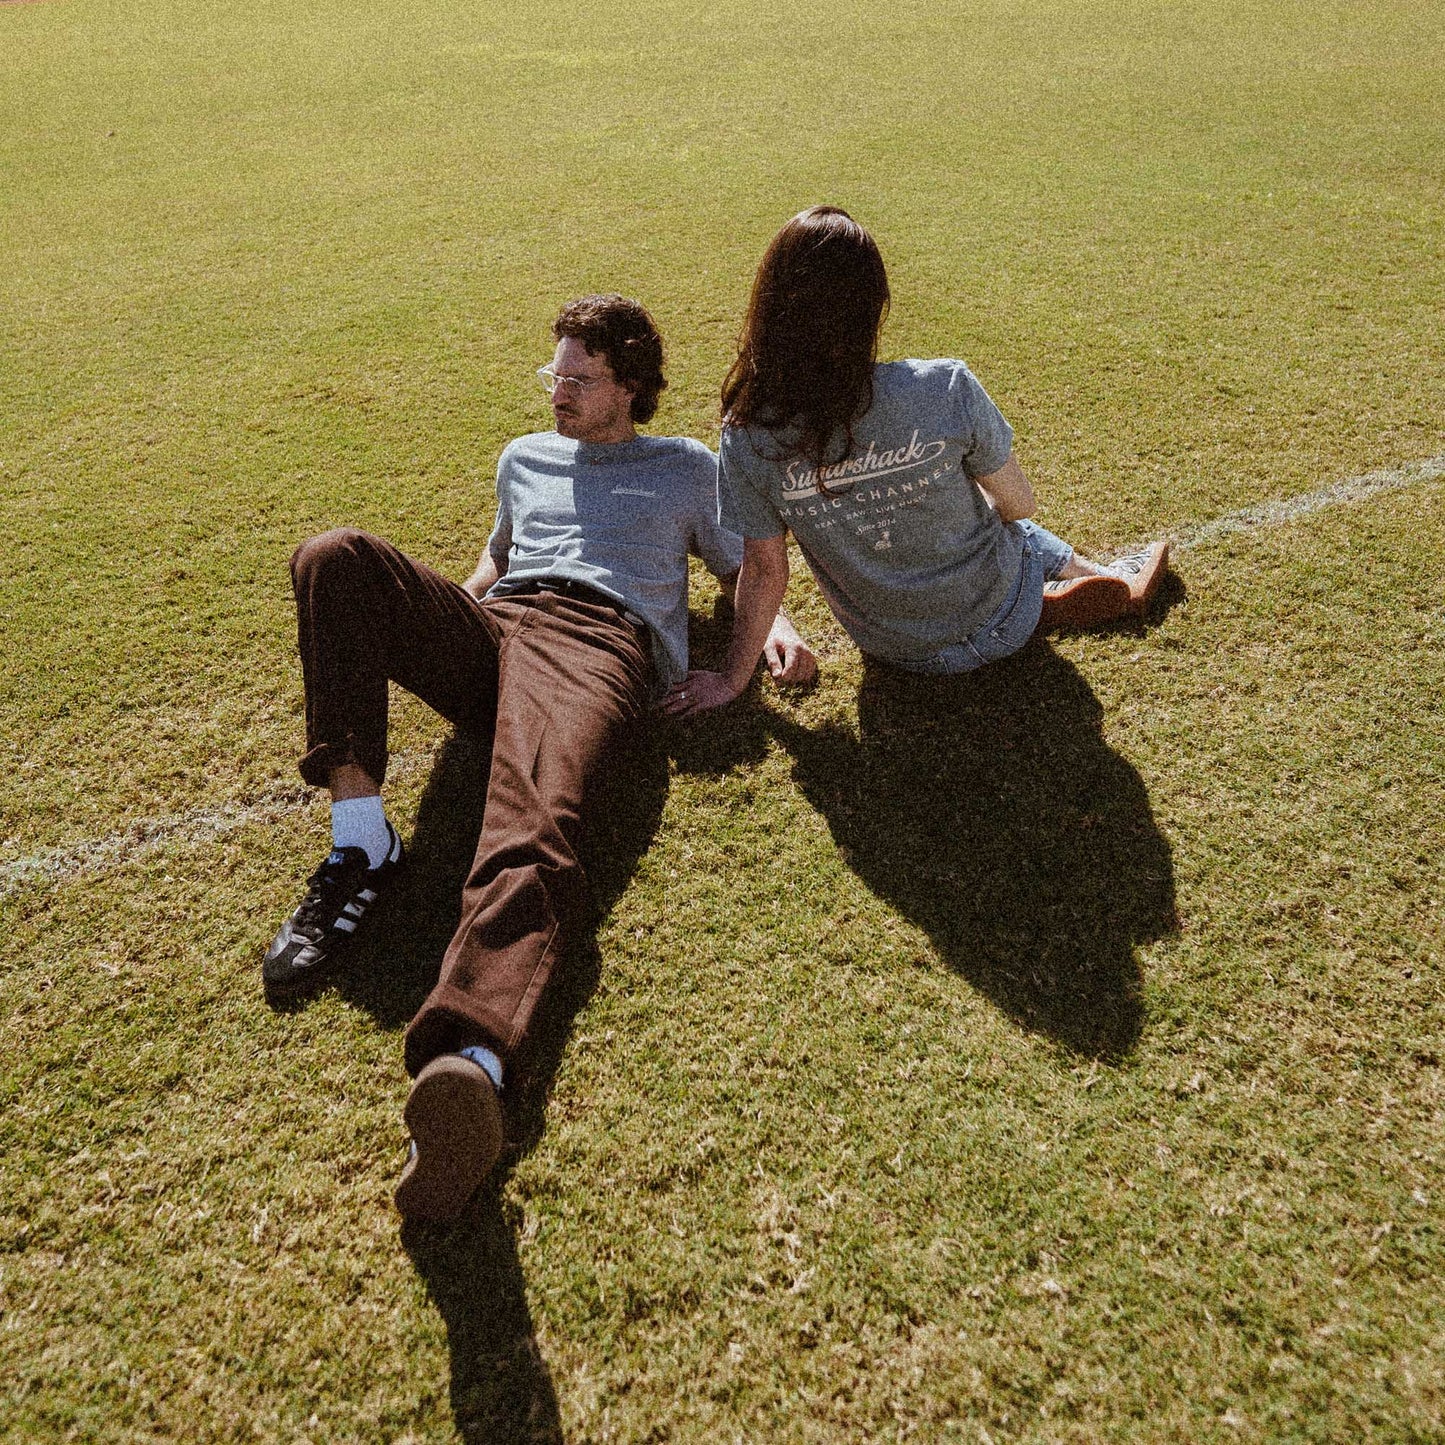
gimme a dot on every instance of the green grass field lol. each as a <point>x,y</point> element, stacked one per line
<point>1051,1055</point>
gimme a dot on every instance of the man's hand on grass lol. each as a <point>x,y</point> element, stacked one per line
<point>790,662</point>
<point>699,692</point>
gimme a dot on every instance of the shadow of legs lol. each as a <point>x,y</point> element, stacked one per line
<point>395,960</point>
<point>989,810</point>
<point>501,1389</point>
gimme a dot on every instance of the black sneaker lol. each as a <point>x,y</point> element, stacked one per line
<point>338,896</point>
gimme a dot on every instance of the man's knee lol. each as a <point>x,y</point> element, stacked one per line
<point>341,546</point>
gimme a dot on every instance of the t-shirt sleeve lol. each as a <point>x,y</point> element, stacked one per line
<point>987,437</point>
<point>742,501</point>
<point>499,544</point>
<point>718,546</point>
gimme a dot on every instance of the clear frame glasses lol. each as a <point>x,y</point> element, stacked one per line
<point>551,380</point>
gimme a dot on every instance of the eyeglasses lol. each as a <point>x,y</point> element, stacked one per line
<point>551,381</point>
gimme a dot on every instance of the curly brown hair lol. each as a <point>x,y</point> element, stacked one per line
<point>810,339</point>
<point>623,332</point>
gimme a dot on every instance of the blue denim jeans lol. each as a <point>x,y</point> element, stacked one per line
<point>1045,556</point>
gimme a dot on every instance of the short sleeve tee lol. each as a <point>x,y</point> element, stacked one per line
<point>907,551</point>
<point>621,517</point>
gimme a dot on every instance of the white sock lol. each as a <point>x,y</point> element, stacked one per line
<point>489,1062</point>
<point>361,823</point>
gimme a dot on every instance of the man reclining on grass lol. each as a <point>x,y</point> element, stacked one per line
<point>573,623</point>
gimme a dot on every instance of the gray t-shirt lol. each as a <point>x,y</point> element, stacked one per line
<point>621,517</point>
<point>907,551</point>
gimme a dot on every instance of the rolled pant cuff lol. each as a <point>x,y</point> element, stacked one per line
<point>317,765</point>
<point>450,1021</point>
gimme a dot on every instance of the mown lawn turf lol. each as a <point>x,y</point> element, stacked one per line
<point>1047,1055</point>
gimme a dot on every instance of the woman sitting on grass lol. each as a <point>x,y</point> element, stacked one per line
<point>897,478</point>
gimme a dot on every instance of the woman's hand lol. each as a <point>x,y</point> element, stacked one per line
<point>790,660</point>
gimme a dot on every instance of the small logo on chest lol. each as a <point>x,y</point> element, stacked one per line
<point>632,492</point>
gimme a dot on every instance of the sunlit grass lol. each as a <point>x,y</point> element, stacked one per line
<point>1048,1056</point>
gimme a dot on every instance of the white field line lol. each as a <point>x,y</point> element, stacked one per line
<point>282,799</point>
<point>1290,509</point>
<point>201,825</point>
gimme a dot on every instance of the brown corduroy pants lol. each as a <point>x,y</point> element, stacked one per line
<point>559,681</point>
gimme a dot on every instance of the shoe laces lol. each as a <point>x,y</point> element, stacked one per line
<point>1131,565</point>
<point>326,891</point>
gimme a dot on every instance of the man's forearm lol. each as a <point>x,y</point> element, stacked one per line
<point>482,580</point>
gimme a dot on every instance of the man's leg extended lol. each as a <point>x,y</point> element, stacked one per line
<point>367,615</point>
<point>573,683</point>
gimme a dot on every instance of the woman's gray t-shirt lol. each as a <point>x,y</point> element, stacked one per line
<point>906,549</point>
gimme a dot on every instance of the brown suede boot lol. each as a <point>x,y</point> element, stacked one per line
<point>1143,571</point>
<point>1084,602</point>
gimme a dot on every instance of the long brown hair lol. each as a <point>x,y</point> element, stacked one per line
<point>810,340</point>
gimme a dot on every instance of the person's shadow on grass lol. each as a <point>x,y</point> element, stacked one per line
<point>501,1389</point>
<point>989,810</point>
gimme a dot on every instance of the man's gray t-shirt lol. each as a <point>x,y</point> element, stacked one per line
<point>909,554</point>
<point>621,517</point>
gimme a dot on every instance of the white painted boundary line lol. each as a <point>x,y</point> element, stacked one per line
<point>203,825</point>
<point>1290,509</point>
<point>101,855</point>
